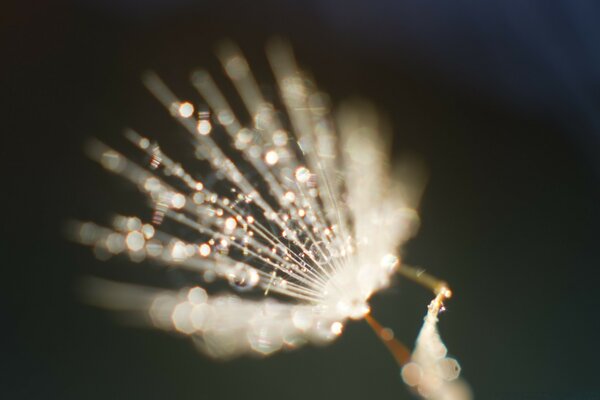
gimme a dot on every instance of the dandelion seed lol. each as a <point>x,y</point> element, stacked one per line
<point>317,246</point>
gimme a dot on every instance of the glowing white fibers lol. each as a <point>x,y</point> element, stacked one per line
<point>311,222</point>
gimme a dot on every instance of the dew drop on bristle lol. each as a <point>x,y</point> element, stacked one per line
<point>242,277</point>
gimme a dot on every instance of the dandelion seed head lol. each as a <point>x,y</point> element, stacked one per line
<point>306,215</point>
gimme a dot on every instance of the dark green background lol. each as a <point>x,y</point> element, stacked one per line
<point>510,216</point>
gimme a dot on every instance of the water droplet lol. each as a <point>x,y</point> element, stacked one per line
<point>181,317</point>
<point>197,295</point>
<point>243,277</point>
<point>148,231</point>
<point>178,201</point>
<point>178,251</point>
<point>115,243</point>
<point>134,241</point>
<point>411,374</point>
<point>449,368</point>
<point>230,224</point>
<point>279,138</point>
<point>336,328</point>
<point>185,109</point>
<point>204,250</point>
<point>389,262</point>
<point>204,127</point>
<point>271,157</point>
<point>302,174</point>
<point>289,196</point>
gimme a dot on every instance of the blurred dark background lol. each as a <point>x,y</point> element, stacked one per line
<point>500,99</point>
